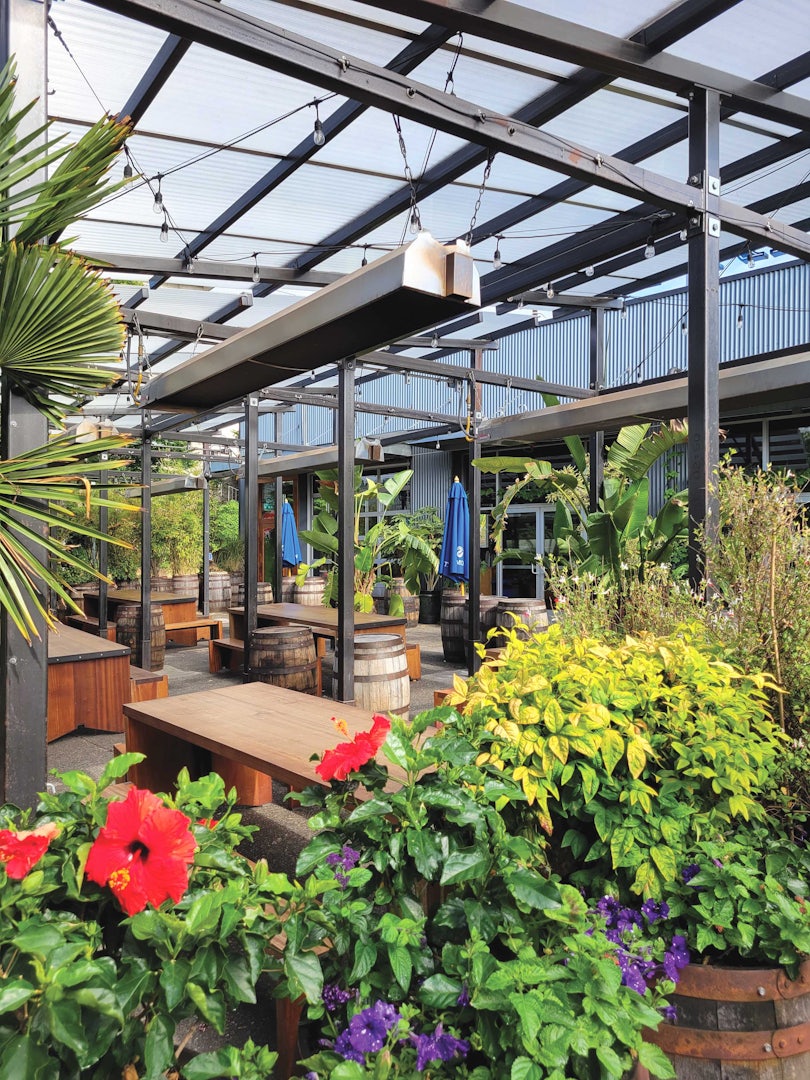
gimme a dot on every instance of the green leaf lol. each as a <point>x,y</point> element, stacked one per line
<point>211,1006</point>
<point>14,994</point>
<point>25,1059</point>
<point>401,965</point>
<point>159,1046</point>
<point>38,939</point>
<point>365,956</point>
<point>524,1068</point>
<point>656,1061</point>
<point>425,849</point>
<point>532,889</point>
<point>304,975</point>
<point>214,1065</point>
<point>612,749</point>
<point>611,1060</point>
<point>665,860</point>
<point>465,865</point>
<point>397,747</point>
<point>440,991</point>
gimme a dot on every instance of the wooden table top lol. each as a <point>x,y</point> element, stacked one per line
<point>272,729</point>
<point>133,596</point>
<point>68,644</point>
<point>322,616</point>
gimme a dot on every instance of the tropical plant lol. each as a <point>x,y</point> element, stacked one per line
<point>60,330</point>
<point>227,545</point>
<point>439,945</point>
<point>373,548</point>
<point>621,530</point>
<point>421,572</point>
<point>120,917</point>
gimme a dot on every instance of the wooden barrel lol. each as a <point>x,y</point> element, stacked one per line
<point>219,590</point>
<point>381,682</point>
<point>287,590</point>
<point>310,592</point>
<point>284,656</point>
<point>525,609</point>
<point>264,592</point>
<point>187,584</point>
<point>489,614</point>
<point>128,632</point>
<point>161,584</point>
<point>749,1023</point>
<point>454,626</point>
<point>237,592</point>
<point>409,602</point>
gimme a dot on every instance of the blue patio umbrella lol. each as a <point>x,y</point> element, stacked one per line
<point>454,560</point>
<point>290,546</point>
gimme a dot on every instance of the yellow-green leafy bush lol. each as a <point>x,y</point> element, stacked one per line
<point>627,752</point>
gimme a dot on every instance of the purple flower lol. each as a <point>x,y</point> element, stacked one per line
<point>718,863</point>
<point>670,1013</point>
<point>676,957</point>
<point>346,1049</point>
<point>343,861</point>
<point>437,1047</point>
<point>367,1031</point>
<point>463,999</point>
<point>653,911</point>
<point>333,997</point>
<point>689,872</point>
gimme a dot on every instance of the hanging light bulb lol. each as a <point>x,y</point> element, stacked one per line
<point>497,261</point>
<point>164,231</point>
<point>588,271</point>
<point>188,263</point>
<point>434,340</point>
<point>750,261</point>
<point>550,291</point>
<point>256,274</point>
<point>438,444</point>
<point>684,234</point>
<point>684,327</point>
<point>415,225</point>
<point>740,317</point>
<point>364,260</point>
<point>318,136</point>
<point>649,250</point>
<point>157,205</point>
<point>128,170</point>
<point>624,309</point>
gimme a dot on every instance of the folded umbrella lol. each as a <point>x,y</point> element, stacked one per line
<point>290,545</point>
<point>454,555</point>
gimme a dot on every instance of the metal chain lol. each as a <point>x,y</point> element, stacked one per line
<point>481,190</point>
<point>415,217</point>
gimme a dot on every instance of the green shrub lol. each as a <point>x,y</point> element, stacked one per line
<point>628,752</point>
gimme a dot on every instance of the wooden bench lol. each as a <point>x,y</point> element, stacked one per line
<point>90,625</point>
<point>192,631</point>
<point>147,685</point>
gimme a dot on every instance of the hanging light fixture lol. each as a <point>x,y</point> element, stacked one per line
<point>649,249</point>
<point>740,317</point>
<point>318,136</point>
<point>364,260</point>
<point>589,271</point>
<point>684,327</point>
<point>624,309</point>
<point>164,230</point>
<point>750,260</point>
<point>497,261</point>
<point>129,172</point>
<point>256,274</point>
<point>157,205</point>
<point>550,290</point>
<point>415,224</point>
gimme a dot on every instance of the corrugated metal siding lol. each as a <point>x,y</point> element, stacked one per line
<point>431,478</point>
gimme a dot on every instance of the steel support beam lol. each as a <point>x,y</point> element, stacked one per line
<point>474,541</point>
<point>524,28</point>
<point>146,550</point>
<point>596,442</point>
<point>176,326</point>
<point>207,268</point>
<point>344,646</point>
<point>168,56</point>
<point>704,329</point>
<point>205,606</point>
<point>251,519</point>
<point>279,493</point>
<point>23,667</point>
<point>103,519</point>
<point>266,45</point>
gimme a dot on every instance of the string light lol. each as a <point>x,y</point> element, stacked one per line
<point>188,262</point>
<point>684,234</point>
<point>550,291</point>
<point>588,271</point>
<point>157,206</point>
<point>684,327</point>
<point>434,341</point>
<point>364,260</point>
<point>750,260</point>
<point>740,317</point>
<point>649,249</point>
<point>497,261</point>
<point>256,274</point>
<point>129,172</point>
<point>415,224</point>
<point>318,136</point>
<point>164,230</point>
<point>624,309</point>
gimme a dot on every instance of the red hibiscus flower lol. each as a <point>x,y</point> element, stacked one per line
<point>347,756</point>
<point>142,852</point>
<point>19,851</point>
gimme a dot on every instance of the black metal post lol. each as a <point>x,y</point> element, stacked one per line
<point>345,638</point>
<point>704,325</point>
<point>23,667</point>
<point>146,548</point>
<point>103,517</point>
<point>474,551</point>
<point>596,443</point>
<point>251,520</point>
<point>205,604</point>
<point>279,497</point>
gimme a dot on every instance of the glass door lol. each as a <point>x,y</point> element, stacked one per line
<point>525,536</point>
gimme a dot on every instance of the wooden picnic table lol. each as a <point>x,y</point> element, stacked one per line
<point>249,733</point>
<point>88,682</point>
<point>323,621</point>
<point>177,607</point>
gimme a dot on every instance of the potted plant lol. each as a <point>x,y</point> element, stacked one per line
<point>657,773</point>
<point>437,941</point>
<point>421,534</point>
<point>120,916</point>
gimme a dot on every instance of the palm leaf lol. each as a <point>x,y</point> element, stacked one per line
<point>576,447</point>
<point>45,487</point>
<point>634,456</point>
<point>57,321</point>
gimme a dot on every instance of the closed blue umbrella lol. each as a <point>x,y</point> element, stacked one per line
<point>290,546</point>
<point>454,556</point>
